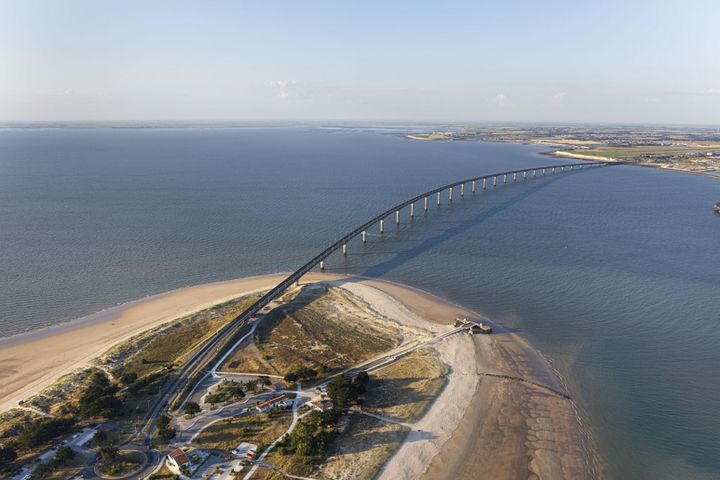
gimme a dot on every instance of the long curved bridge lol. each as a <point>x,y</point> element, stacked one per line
<point>425,197</point>
<point>209,352</point>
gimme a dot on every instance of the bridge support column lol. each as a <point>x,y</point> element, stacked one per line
<point>571,167</point>
<point>534,173</point>
<point>425,204</point>
<point>450,193</point>
<point>462,189</point>
<point>484,180</point>
<point>524,175</point>
<point>504,179</point>
<point>344,249</point>
<point>553,170</point>
<point>364,236</point>
<point>543,171</point>
<point>412,210</point>
<point>397,216</point>
<point>473,186</point>
<point>562,169</point>
<point>494,181</point>
<point>438,198</point>
<point>382,226</point>
<point>514,176</point>
<point>322,265</point>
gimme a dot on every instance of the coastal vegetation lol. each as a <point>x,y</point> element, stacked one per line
<point>120,463</point>
<point>361,448</point>
<point>169,344</point>
<point>323,329</point>
<point>695,149</point>
<point>64,463</point>
<point>230,390</point>
<point>260,429</point>
<point>28,436</point>
<point>306,447</point>
<point>406,389</point>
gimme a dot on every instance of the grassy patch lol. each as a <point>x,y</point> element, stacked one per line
<point>361,450</point>
<point>68,469</point>
<point>260,429</point>
<point>323,328</point>
<point>55,398</point>
<point>645,151</point>
<point>226,392</point>
<point>406,389</point>
<point>126,462</point>
<point>171,343</point>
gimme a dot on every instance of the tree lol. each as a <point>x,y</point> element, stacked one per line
<point>101,438</point>
<point>128,378</point>
<point>63,455</point>
<point>362,377</point>
<point>291,377</point>
<point>7,455</point>
<point>42,430</point>
<point>108,453</point>
<point>301,439</point>
<point>341,390</point>
<point>163,421</point>
<point>99,398</point>
<point>191,408</point>
<point>166,434</point>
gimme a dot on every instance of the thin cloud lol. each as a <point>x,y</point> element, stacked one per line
<point>284,87</point>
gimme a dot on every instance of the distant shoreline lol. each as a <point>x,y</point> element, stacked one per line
<point>567,154</point>
<point>579,156</point>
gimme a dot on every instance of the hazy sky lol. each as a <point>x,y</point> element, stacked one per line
<point>603,61</point>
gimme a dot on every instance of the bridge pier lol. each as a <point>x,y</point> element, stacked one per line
<point>438,198</point>
<point>450,193</point>
<point>571,167</point>
<point>494,181</point>
<point>344,249</point>
<point>322,265</point>
<point>364,236</point>
<point>514,176</point>
<point>425,204</point>
<point>412,210</point>
<point>553,170</point>
<point>483,187</point>
<point>525,174</point>
<point>504,179</point>
<point>382,226</point>
<point>473,186</point>
<point>397,216</point>
<point>534,173</point>
<point>462,189</point>
<point>543,171</point>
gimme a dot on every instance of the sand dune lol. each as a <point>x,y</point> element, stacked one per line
<point>493,417</point>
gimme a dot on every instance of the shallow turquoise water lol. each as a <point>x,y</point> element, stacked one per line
<point>613,273</point>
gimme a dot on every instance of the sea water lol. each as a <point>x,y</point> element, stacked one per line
<point>612,273</point>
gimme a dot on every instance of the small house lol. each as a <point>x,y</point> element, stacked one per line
<point>178,462</point>
<point>276,402</point>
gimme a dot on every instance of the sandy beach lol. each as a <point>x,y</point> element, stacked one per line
<point>502,412</point>
<point>32,361</point>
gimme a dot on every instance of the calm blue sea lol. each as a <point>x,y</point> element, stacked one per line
<point>613,273</point>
